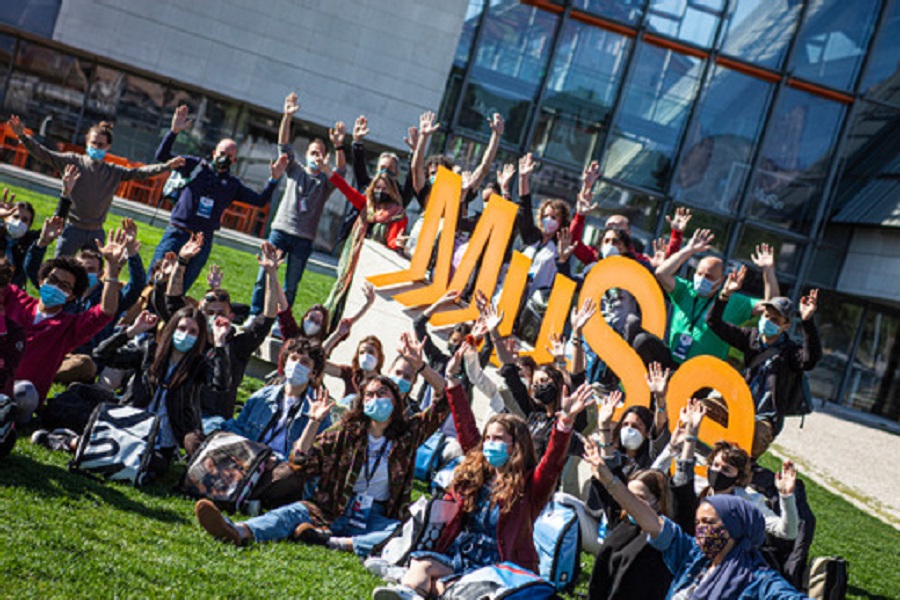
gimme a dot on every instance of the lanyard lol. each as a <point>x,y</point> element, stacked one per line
<point>695,316</point>
<point>378,456</point>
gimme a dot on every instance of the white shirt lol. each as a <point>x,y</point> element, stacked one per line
<point>543,265</point>
<point>377,486</point>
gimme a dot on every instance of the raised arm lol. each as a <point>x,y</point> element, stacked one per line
<point>497,125</point>
<point>527,227</point>
<point>733,335</point>
<point>114,255</point>
<point>764,258</point>
<point>337,134</point>
<point>291,106</point>
<point>360,172</point>
<point>42,154</point>
<point>811,352</point>
<point>319,409</point>
<point>427,126</point>
<point>186,254</point>
<point>269,258</point>
<point>699,242</point>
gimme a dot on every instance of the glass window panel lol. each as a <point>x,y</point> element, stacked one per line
<point>509,64</point>
<point>38,17</point>
<point>655,104</point>
<point>693,21</point>
<point>257,136</point>
<point>882,78</point>
<point>876,360</point>
<point>719,225</point>
<point>7,47</point>
<point>759,31</point>
<point>720,143</point>
<point>467,36</point>
<point>46,83</point>
<point>871,145</point>
<point>833,40</point>
<point>787,252</point>
<point>642,211</point>
<point>794,159</point>
<point>212,121</point>
<point>626,11</point>
<point>580,92</point>
<point>837,318</point>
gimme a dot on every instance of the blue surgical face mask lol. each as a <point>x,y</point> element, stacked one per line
<point>312,164</point>
<point>431,179</point>
<point>92,279</point>
<point>96,153</point>
<point>183,341</point>
<point>768,328</point>
<point>296,373</point>
<point>52,296</point>
<point>495,453</point>
<point>404,384</point>
<point>378,409</point>
<point>703,286</point>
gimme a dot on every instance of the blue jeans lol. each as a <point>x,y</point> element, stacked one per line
<point>297,251</point>
<point>172,241</point>
<point>280,524</point>
<point>72,239</point>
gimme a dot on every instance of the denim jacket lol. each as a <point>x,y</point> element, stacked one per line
<point>263,408</point>
<point>685,560</point>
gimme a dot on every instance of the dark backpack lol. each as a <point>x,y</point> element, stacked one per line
<point>796,401</point>
<point>72,409</point>
<point>7,425</point>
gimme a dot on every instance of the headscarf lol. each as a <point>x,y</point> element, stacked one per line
<point>747,527</point>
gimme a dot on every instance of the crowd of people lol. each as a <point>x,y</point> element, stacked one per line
<point>342,462</point>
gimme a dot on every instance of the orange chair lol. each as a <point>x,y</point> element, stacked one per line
<point>237,216</point>
<point>258,221</point>
<point>9,141</point>
<point>124,189</point>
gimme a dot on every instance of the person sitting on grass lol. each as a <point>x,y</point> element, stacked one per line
<point>500,489</point>
<point>721,561</point>
<point>16,234</point>
<point>365,466</point>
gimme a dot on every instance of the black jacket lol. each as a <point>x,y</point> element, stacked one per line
<point>182,402</point>
<point>627,567</point>
<point>18,250</point>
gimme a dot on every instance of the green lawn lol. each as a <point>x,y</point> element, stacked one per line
<point>65,535</point>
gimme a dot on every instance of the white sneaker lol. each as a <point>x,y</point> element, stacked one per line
<point>385,570</point>
<point>400,592</point>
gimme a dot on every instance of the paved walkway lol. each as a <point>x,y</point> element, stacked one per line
<point>856,460</point>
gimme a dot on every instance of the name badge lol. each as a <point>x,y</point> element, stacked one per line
<point>360,508</point>
<point>682,346</point>
<point>205,208</point>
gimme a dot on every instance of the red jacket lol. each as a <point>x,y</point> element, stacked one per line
<point>515,529</point>
<point>48,342</point>
<point>359,200</point>
<point>588,254</point>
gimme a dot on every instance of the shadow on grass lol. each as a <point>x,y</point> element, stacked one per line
<point>51,481</point>
<point>856,592</point>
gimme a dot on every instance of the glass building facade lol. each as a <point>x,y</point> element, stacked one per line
<point>760,115</point>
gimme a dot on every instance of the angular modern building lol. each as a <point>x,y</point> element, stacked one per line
<point>775,121</point>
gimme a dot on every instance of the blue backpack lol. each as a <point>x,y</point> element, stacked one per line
<point>441,481</point>
<point>428,456</point>
<point>506,581</point>
<point>557,539</point>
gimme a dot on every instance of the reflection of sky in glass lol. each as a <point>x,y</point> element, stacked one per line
<point>692,21</point>
<point>759,30</point>
<point>884,59</point>
<point>473,12</point>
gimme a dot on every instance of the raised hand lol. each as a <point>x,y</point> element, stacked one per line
<point>176,163</point>
<point>69,177</point>
<point>564,245</point>
<point>7,205</point>
<point>808,305</point>
<point>735,280</point>
<point>192,247</point>
<point>411,138</point>
<point>574,403</point>
<point>428,124</point>
<point>360,128</point>
<point>337,134</point>
<point>411,350</point>
<point>658,256</point>
<point>291,104</point>
<point>607,407</point>
<point>468,178</point>
<point>491,319</point>
<point>786,480</point>
<point>584,204</point>
<point>481,301</point>
<point>682,218</point>
<point>557,348</point>
<point>320,405</point>
<point>657,379</point>
<point>180,119</point>
<point>505,176</point>
<point>582,315</point>
<point>214,277</point>
<point>701,241</point>
<point>368,291</point>
<point>496,123</point>
<point>51,230</point>
<point>16,125</point>
<point>132,243</point>
<point>269,256</point>
<point>114,252</point>
<point>764,257</point>
<point>692,415</point>
<point>220,328</point>
<point>454,365</point>
<point>166,266</point>
<point>145,321</point>
<point>526,165</point>
<point>344,327</point>
<point>277,168</point>
<point>479,329</point>
<point>590,175</point>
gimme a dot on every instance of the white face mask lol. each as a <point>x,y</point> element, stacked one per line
<point>550,225</point>
<point>16,228</point>
<point>296,373</point>
<point>630,437</point>
<point>367,362</point>
<point>310,327</point>
<point>608,250</point>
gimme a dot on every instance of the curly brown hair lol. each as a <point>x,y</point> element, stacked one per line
<point>104,128</point>
<point>475,471</point>
<point>562,209</point>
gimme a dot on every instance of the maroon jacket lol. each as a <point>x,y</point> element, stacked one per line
<point>515,529</point>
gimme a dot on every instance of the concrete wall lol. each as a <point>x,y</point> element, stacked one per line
<point>872,266</point>
<point>387,60</point>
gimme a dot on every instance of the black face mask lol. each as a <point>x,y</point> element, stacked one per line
<point>546,392</point>
<point>718,481</point>
<point>223,162</point>
<point>452,348</point>
<point>382,197</point>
